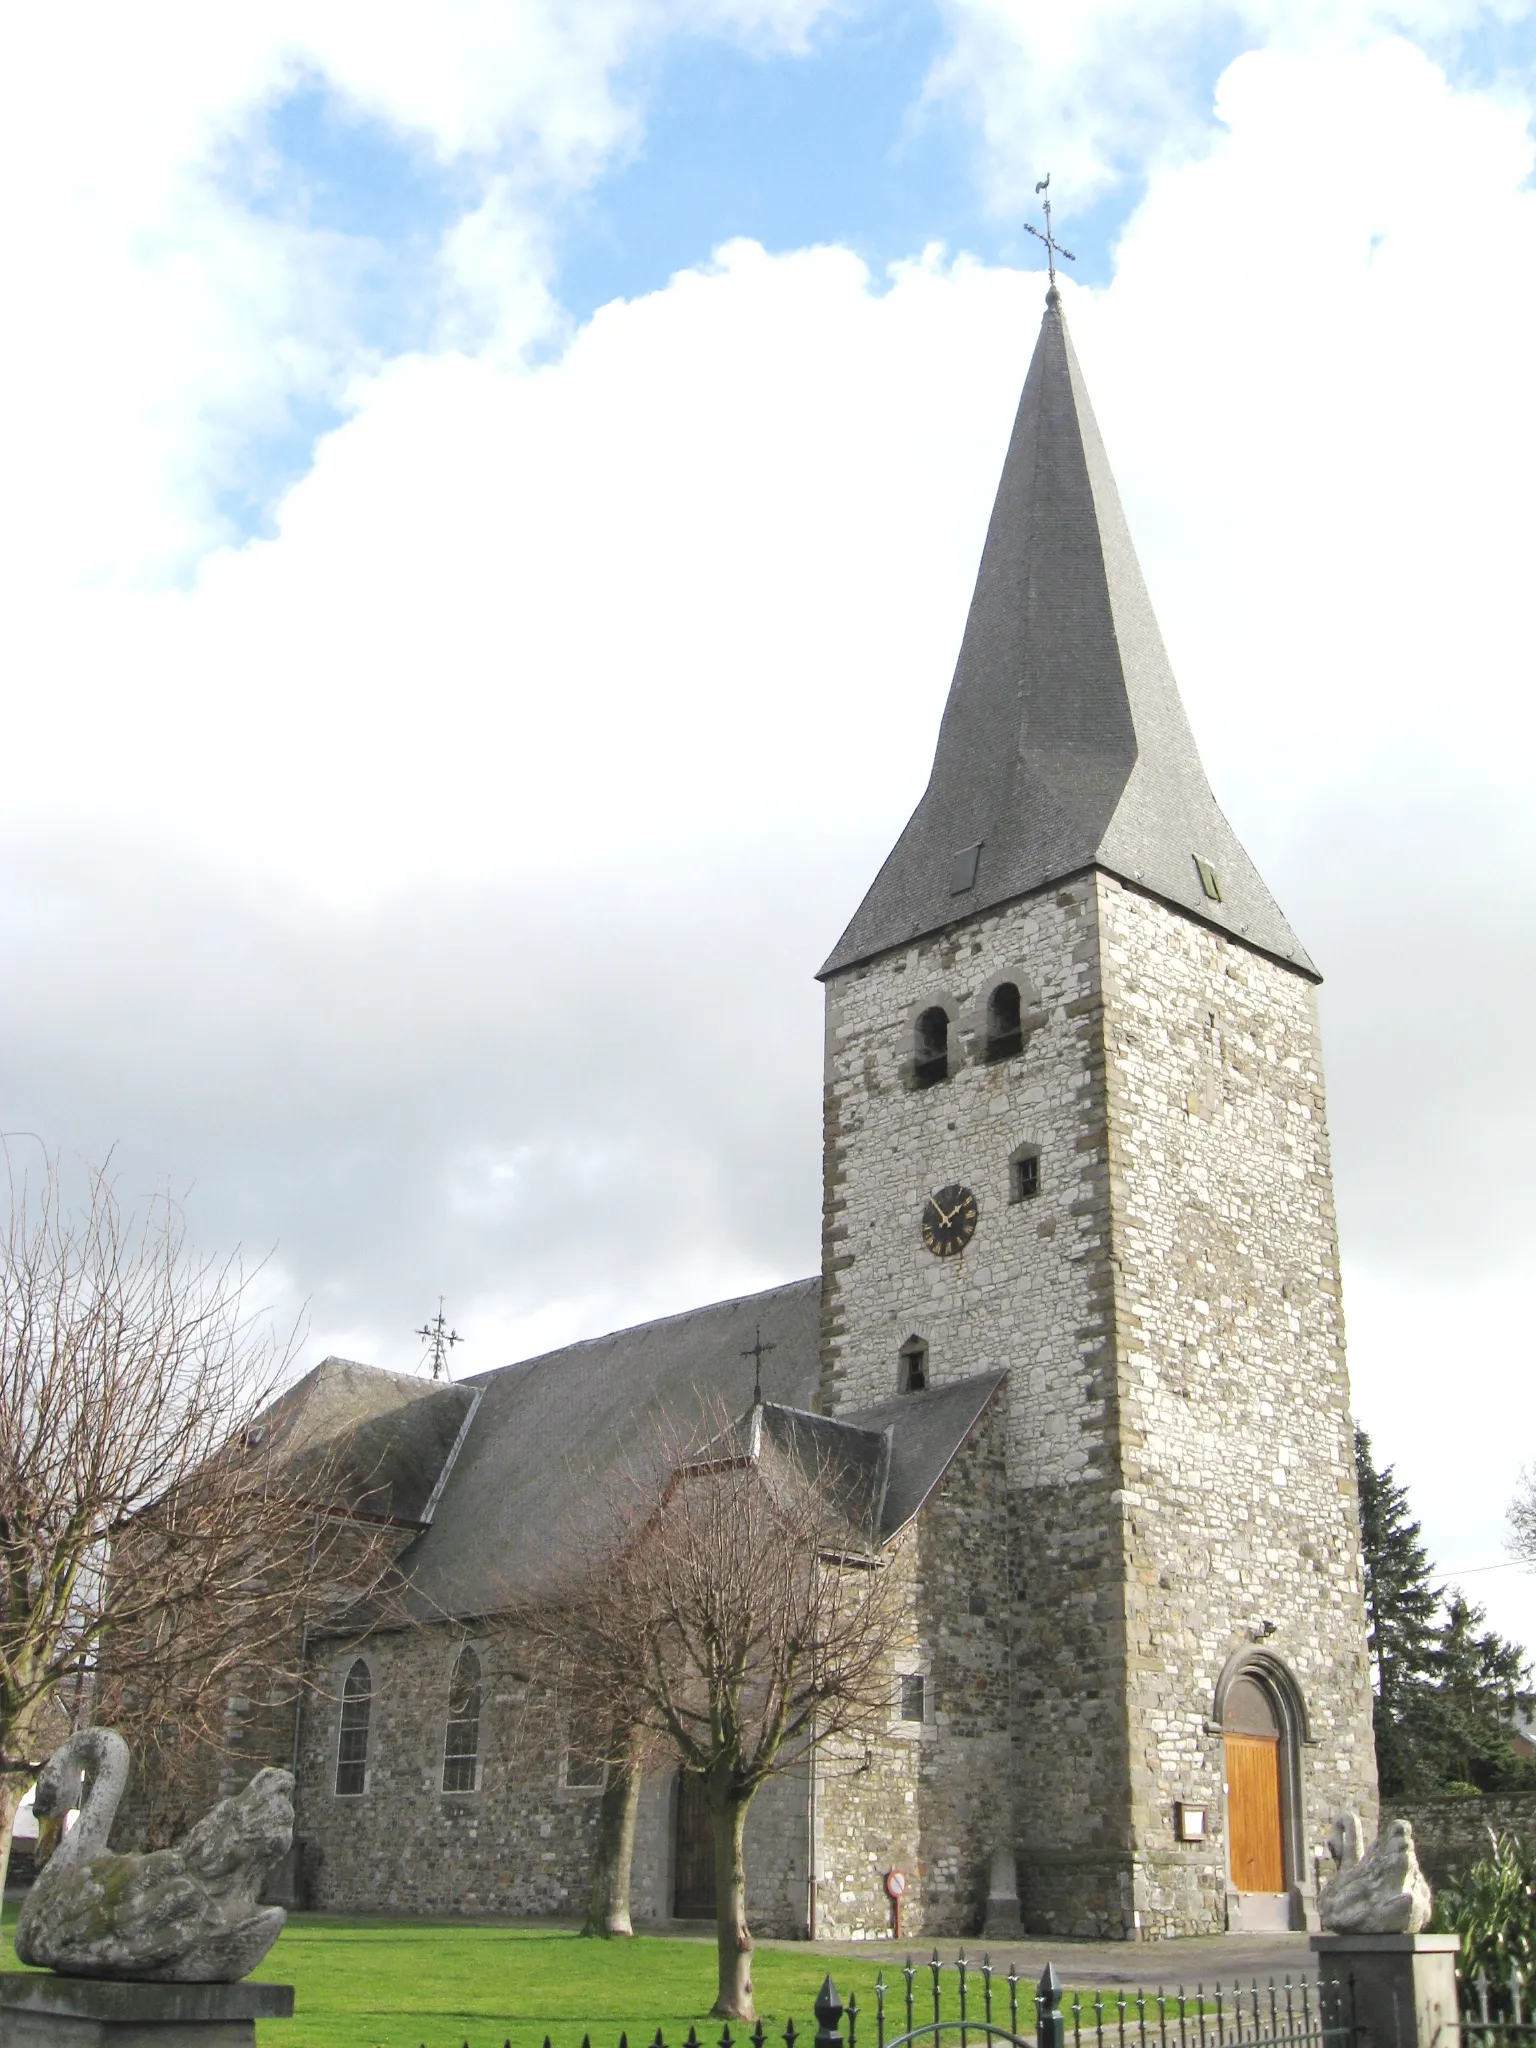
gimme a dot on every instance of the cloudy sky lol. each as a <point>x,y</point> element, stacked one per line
<point>492,492</point>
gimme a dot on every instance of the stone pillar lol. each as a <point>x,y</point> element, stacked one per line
<point>1404,1987</point>
<point>39,2010</point>
<point>1003,1922</point>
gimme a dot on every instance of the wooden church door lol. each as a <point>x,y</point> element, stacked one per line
<point>693,1887</point>
<point>1255,1829</point>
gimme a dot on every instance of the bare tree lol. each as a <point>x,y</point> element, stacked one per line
<point>155,1545</point>
<point>630,1746</point>
<point>737,1608</point>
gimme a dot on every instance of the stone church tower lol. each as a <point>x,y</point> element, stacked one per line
<point>1075,1133</point>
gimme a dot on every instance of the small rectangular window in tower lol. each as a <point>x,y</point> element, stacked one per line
<point>913,1687</point>
<point>1209,881</point>
<point>912,1366</point>
<point>1026,1177</point>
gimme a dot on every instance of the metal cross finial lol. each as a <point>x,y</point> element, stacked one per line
<point>1053,248</point>
<point>441,1340</point>
<point>757,1352</point>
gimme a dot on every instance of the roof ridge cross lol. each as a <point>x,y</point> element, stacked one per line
<point>1053,248</point>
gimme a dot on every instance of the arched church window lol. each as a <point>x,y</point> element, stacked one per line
<point>461,1749</point>
<point>912,1366</point>
<point>352,1748</point>
<point>931,1052</point>
<point>1005,1022</point>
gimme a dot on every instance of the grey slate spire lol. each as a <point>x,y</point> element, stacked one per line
<point>1064,744</point>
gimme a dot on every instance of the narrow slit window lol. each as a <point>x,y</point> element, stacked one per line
<point>931,1053</point>
<point>461,1747</point>
<point>1024,1173</point>
<point>913,1696</point>
<point>1005,1022</point>
<point>912,1366</point>
<point>352,1748</point>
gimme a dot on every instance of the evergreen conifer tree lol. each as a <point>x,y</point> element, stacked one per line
<point>1400,1601</point>
<point>1447,1686</point>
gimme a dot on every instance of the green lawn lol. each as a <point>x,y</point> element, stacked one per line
<point>369,1983</point>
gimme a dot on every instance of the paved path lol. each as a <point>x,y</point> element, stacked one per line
<point>1203,1958</point>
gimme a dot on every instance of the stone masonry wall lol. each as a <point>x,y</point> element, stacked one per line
<point>1033,1293</point>
<point>1451,1833</point>
<point>1236,1442</point>
<point>922,1798</point>
<point>521,1843</point>
<point>1167,1308</point>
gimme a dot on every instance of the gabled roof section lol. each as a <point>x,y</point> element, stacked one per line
<point>1064,743</point>
<point>879,1466</point>
<point>380,1444</point>
<point>852,1464</point>
<point>925,1432</point>
<point>552,1434</point>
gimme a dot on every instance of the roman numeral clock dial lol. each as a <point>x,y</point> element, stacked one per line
<point>949,1221</point>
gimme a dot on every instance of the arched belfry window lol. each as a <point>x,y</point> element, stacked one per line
<point>1005,1022</point>
<point>930,1052</point>
<point>461,1749</point>
<point>352,1748</point>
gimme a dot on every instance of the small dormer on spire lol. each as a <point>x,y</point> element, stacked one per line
<point>1064,744</point>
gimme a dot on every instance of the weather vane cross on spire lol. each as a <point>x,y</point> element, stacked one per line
<point>757,1351</point>
<point>1053,248</point>
<point>440,1339</point>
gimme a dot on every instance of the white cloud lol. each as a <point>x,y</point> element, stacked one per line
<point>437,880</point>
<point>1103,89</point>
<point>160,321</point>
<point>1314,332</point>
<point>660,562</point>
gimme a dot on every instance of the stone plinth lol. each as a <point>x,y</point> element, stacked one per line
<point>38,2010</point>
<point>1404,1986</point>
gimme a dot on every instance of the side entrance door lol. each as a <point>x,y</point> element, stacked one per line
<point>1253,1813</point>
<point>1255,1821</point>
<point>693,1862</point>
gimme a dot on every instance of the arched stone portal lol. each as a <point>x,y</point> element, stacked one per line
<point>1255,1822</point>
<point>1262,1717</point>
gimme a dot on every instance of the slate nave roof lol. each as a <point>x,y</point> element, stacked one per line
<point>501,1508</point>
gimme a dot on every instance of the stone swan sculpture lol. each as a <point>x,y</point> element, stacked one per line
<point>1380,1890</point>
<point>186,1915</point>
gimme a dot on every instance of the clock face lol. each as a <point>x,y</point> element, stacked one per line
<point>949,1221</point>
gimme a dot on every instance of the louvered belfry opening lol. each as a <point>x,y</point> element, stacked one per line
<point>1005,1022</point>
<point>931,1054</point>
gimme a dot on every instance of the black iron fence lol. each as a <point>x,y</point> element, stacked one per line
<point>1498,2013</point>
<point>1296,2012</point>
<point>990,2008</point>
